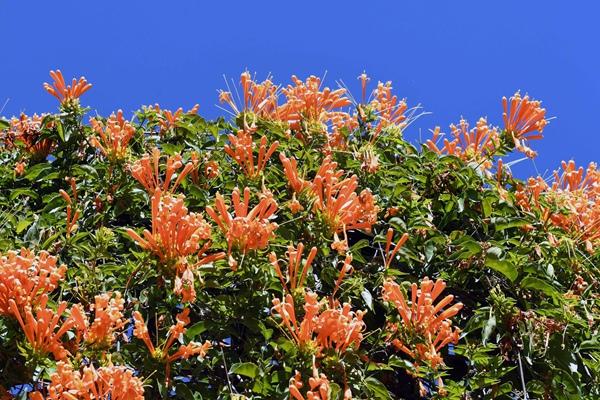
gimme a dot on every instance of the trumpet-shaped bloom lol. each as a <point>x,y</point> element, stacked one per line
<point>424,327</point>
<point>257,98</point>
<point>241,150</point>
<point>161,352</point>
<point>27,131</point>
<point>477,145</point>
<point>63,92</point>
<point>147,172</point>
<point>113,136</point>
<point>319,388</point>
<point>390,110</point>
<point>176,233</point>
<point>43,327</point>
<point>571,202</point>
<point>246,229</point>
<point>335,198</point>
<point>107,319</point>
<point>522,118</point>
<point>296,273</point>
<point>324,326</point>
<point>389,255</point>
<point>104,383</point>
<point>25,278</point>
<point>169,119</point>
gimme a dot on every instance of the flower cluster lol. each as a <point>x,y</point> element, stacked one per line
<point>571,202</point>
<point>257,98</point>
<point>27,131</point>
<point>522,117</point>
<point>113,136</point>
<point>477,145</point>
<point>324,326</point>
<point>335,199</point>
<point>424,327</point>
<point>295,275</point>
<point>184,352</point>
<point>107,321</point>
<point>44,328</point>
<point>241,150</point>
<point>247,229</point>
<point>147,172</point>
<point>168,119</point>
<point>104,383</point>
<point>319,388</point>
<point>66,93</point>
<point>176,233</point>
<point>25,278</point>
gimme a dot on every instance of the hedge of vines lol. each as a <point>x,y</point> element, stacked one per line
<point>298,248</point>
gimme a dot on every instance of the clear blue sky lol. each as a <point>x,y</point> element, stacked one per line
<point>453,57</point>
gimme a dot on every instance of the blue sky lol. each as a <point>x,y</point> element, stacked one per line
<point>452,57</point>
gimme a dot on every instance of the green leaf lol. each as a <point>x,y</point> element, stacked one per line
<point>246,369</point>
<point>505,267</point>
<point>529,282</point>
<point>377,389</point>
<point>22,225</point>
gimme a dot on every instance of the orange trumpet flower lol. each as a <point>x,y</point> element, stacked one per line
<point>476,145</point>
<point>175,331</point>
<point>335,198</point>
<point>169,119</point>
<point>27,130</point>
<point>296,274</point>
<point>43,327</point>
<point>324,326</point>
<point>63,92</point>
<point>25,278</point>
<point>107,321</point>
<point>146,171</point>
<point>176,234</point>
<point>113,137</point>
<point>241,150</point>
<point>389,256</point>
<point>112,382</point>
<point>258,98</point>
<point>318,383</point>
<point>424,328</point>
<point>246,230</point>
<point>72,217</point>
<point>521,118</point>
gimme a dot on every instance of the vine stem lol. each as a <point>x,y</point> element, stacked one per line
<point>525,396</point>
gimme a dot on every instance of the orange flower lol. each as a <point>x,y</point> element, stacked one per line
<point>364,79</point>
<point>476,145</point>
<point>146,172</point>
<point>72,217</point>
<point>108,319</point>
<point>247,230</point>
<point>307,103</point>
<point>43,328</point>
<point>335,198</point>
<point>389,109</point>
<point>325,326</point>
<point>258,98</point>
<point>424,328</point>
<point>27,130</point>
<point>20,168</point>
<point>168,119</point>
<point>25,278</point>
<point>175,331</point>
<point>242,151</point>
<point>295,274</point>
<point>176,234</point>
<point>211,169</point>
<point>66,93</point>
<point>319,387</point>
<point>113,137</point>
<point>389,237</point>
<point>521,118</point>
<point>112,382</point>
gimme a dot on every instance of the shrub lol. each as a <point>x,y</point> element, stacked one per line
<point>301,249</point>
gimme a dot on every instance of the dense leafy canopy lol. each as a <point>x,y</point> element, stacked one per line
<point>299,249</point>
